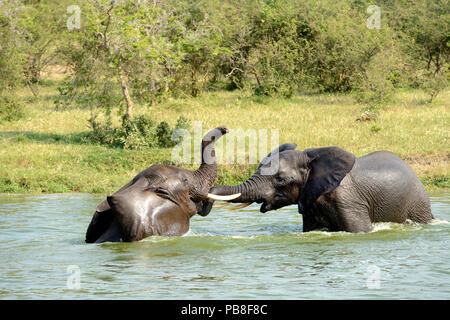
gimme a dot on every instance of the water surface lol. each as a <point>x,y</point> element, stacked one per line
<point>240,254</point>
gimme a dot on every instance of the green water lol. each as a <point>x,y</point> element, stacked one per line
<point>228,255</point>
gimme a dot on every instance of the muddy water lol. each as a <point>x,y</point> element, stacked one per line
<point>227,255</point>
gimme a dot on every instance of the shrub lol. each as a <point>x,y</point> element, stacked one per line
<point>182,123</point>
<point>433,84</point>
<point>164,134</point>
<point>135,133</point>
<point>373,85</point>
<point>11,108</point>
<point>375,128</point>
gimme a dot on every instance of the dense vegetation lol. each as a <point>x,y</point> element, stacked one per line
<point>125,60</point>
<point>123,52</point>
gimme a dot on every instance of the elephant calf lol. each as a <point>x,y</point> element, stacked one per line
<point>334,189</point>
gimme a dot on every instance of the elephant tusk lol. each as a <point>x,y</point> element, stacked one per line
<point>240,206</point>
<point>222,205</point>
<point>223,198</point>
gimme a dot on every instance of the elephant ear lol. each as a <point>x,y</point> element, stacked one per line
<point>328,166</point>
<point>102,219</point>
<point>104,206</point>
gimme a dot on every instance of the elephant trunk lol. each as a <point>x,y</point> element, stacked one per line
<point>251,190</point>
<point>206,174</point>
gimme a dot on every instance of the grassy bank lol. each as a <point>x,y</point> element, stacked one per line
<point>46,152</point>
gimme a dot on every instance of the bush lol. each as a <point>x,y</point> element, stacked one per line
<point>182,123</point>
<point>375,128</point>
<point>433,84</point>
<point>272,90</point>
<point>164,134</point>
<point>11,108</point>
<point>373,83</point>
<point>136,133</point>
<point>379,93</point>
<point>272,47</point>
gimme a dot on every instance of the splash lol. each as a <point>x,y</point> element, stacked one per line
<point>393,226</point>
<point>435,222</point>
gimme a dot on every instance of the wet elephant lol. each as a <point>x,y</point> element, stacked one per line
<point>159,201</point>
<point>334,190</point>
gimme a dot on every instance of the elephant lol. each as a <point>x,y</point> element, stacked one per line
<point>160,200</point>
<point>334,190</point>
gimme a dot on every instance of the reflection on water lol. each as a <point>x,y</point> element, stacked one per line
<point>227,255</point>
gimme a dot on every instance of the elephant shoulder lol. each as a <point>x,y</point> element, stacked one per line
<point>380,155</point>
<point>382,162</point>
<point>384,171</point>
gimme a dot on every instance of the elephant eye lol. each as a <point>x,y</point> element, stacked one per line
<point>279,180</point>
<point>151,187</point>
<point>284,181</point>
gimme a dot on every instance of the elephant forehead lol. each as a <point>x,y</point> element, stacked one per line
<point>290,156</point>
<point>281,164</point>
<point>162,173</point>
<point>283,159</point>
<point>287,175</point>
<point>285,162</point>
<point>165,171</point>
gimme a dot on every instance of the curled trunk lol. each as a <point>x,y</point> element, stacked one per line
<point>206,174</point>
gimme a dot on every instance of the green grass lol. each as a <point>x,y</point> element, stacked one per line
<point>46,152</point>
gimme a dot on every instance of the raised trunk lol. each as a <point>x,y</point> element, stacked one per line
<point>207,172</point>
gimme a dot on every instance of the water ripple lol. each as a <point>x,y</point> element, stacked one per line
<point>226,255</point>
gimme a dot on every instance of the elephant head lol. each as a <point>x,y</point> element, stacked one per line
<point>158,201</point>
<point>295,177</point>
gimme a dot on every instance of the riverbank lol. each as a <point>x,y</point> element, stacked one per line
<point>45,152</point>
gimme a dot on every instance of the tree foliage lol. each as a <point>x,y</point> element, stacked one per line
<point>140,52</point>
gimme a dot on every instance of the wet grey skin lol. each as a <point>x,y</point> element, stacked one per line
<point>159,201</point>
<point>334,190</point>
